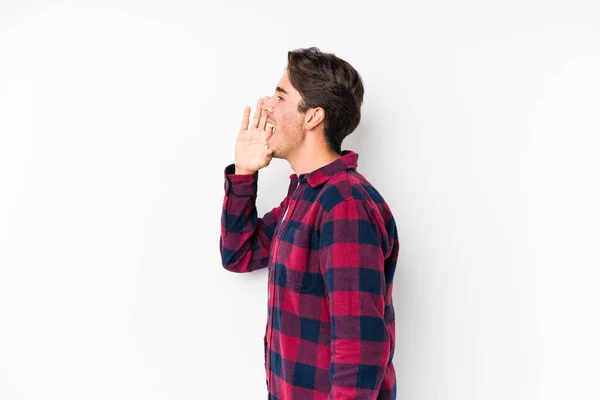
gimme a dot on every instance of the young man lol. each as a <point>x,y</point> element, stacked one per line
<point>330,246</point>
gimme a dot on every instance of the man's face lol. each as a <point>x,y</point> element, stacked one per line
<point>289,123</point>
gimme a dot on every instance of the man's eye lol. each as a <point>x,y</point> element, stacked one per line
<point>280,98</point>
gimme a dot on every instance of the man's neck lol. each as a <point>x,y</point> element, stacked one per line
<point>307,160</point>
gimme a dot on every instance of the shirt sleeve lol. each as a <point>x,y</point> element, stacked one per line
<point>245,240</point>
<point>352,262</point>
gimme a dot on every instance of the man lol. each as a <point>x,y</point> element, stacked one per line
<point>330,246</point>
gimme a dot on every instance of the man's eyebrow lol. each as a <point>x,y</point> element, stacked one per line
<point>280,89</point>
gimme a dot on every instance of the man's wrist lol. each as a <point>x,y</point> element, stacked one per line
<point>241,171</point>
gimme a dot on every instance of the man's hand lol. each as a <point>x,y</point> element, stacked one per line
<point>251,147</point>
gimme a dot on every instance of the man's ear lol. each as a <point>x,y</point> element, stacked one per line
<point>314,116</point>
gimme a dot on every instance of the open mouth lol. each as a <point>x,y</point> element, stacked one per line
<point>270,129</point>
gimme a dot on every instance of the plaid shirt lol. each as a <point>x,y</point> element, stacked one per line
<point>331,248</point>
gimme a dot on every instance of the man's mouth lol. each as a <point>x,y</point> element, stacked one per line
<point>270,126</point>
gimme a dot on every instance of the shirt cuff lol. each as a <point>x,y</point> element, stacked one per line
<point>240,184</point>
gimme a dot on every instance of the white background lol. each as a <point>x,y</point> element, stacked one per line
<point>480,128</point>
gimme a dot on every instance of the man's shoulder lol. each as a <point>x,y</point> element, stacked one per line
<point>350,186</point>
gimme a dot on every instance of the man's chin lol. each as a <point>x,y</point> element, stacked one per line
<point>277,154</point>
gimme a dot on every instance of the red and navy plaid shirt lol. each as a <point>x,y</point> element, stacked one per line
<point>331,249</point>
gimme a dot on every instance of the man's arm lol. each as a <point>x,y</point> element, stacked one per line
<point>245,239</point>
<point>352,262</point>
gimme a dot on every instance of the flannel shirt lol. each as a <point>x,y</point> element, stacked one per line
<point>331,248</point>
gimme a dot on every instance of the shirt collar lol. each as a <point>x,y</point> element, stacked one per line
<point>348,160</point>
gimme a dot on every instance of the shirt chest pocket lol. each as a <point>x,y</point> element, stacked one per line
<point>298,259</point>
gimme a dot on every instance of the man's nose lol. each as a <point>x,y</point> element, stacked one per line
<point>268,104</point>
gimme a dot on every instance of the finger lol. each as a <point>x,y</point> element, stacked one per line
<point>264,133</point>
<point>263,119</point>
<point>245,119</point>
<point>257,113</point>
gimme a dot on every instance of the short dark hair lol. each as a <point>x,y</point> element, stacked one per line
<point>325,80</point>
